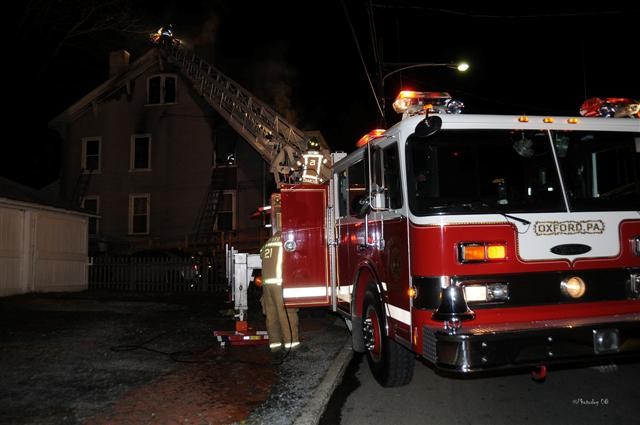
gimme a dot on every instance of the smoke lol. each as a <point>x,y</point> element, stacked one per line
<point>204,43</point>
<point>273,79</point>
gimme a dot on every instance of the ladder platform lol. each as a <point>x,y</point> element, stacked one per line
<point>248,337</point>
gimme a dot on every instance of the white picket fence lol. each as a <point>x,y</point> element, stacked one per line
<point>151,274</point>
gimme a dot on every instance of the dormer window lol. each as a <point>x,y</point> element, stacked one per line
<point>161,89</point>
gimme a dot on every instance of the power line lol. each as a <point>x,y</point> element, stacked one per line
<point>364,65</point>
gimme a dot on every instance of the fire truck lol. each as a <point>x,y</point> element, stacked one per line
<point>476,242</point>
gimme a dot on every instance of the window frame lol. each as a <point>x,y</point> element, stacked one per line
<point>163,77</point>
<point>132,197</point>
<point>96,212</point>
<point>234,210</point>
<point>83,157</point>
<point>132,152</point>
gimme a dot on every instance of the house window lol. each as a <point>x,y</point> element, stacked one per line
<point>91,154</point>
<point>227,211</point>
<point>92,204</point>
<point>224,150</point>
<point>139,214</point>
<point>161,89</point>
<point>140,152</point>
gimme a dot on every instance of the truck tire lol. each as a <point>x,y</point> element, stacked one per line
<point>391,364</point>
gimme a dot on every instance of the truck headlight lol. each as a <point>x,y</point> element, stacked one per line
<point>488,292</point>
<point>573,287</point>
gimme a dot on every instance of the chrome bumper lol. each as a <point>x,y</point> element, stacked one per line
<point>483,348</point>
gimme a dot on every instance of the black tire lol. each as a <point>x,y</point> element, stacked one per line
<point>391,364</point>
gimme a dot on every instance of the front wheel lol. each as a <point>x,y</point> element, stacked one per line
<point>391,364</point>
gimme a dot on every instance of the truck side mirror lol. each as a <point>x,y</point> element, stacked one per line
<point>428,126</point>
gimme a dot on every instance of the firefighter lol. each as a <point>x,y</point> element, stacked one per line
<point>282,322</point>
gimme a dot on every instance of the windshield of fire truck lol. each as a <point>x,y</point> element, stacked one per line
<point>600,169</point>
<point>483,171</point>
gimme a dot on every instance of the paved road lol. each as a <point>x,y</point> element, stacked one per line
<point>603,395</point>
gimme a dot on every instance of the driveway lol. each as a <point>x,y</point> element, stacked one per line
<point>101,358</point>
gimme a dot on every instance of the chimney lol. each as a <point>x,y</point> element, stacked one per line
<point>118,62</point>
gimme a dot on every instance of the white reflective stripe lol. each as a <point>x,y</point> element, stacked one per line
<point>344,293</point>
<point>311,291</point>
<point>279,265</point>
<point>273,281</point>
<point>399,314</point>
<point>384,285</point>
<point>275,344</point>
<point>291,344</point>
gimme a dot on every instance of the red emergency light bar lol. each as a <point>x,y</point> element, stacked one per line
<point>417,102</point>
<point>373,134</point>
<point>610,107</point>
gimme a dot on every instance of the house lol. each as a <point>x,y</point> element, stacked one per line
<point>43,242</point>
<point>151,159</point>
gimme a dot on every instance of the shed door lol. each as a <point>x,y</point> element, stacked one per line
<point>305,268</point>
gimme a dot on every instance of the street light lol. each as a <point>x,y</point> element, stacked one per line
<point>461,67</point>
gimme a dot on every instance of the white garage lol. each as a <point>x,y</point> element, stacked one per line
<point>43,244</point>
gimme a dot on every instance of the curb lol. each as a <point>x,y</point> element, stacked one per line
<point>312,411</point>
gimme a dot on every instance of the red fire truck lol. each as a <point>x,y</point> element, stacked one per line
<point>477,242</point>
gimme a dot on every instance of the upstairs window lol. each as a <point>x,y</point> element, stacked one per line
<point>139,214</point>
<point>161,89</point>
<point>226,219</point>
<point>140,152</point>
<point>91,147</point>
<point>224,151</point>
<point>92,204</point>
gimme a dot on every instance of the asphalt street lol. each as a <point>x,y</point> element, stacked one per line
<point>592,395</point>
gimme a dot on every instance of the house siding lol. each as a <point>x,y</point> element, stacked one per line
<point>182,136</point>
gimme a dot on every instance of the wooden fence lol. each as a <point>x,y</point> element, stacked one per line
<point>168,275</point>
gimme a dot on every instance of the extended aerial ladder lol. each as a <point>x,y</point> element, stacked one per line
<point>277,141</point>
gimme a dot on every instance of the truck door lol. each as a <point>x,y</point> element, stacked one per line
<point>305,265</point>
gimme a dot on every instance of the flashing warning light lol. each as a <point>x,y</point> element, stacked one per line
<point>417,102</point>
<point>258,281</point>
<point>610,107</point>
<point>481,252</point>
<point>373,134</point>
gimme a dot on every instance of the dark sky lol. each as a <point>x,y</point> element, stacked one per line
<point>301,58</point>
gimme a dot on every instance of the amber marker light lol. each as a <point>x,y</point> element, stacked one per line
<point>496,252</point>
<point>413,292</point>
<point>481,252</point>
<point>573,120</point>
<point>547,120</point>
<point>471,253</point>
<point>369,137</point>
<point>523,119</point>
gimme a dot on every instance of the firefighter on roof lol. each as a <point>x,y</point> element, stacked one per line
<point>282,322</point>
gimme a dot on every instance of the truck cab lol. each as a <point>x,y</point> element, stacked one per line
<point>476,242</point>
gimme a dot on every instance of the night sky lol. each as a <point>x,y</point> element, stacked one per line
<point>301,58</point>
